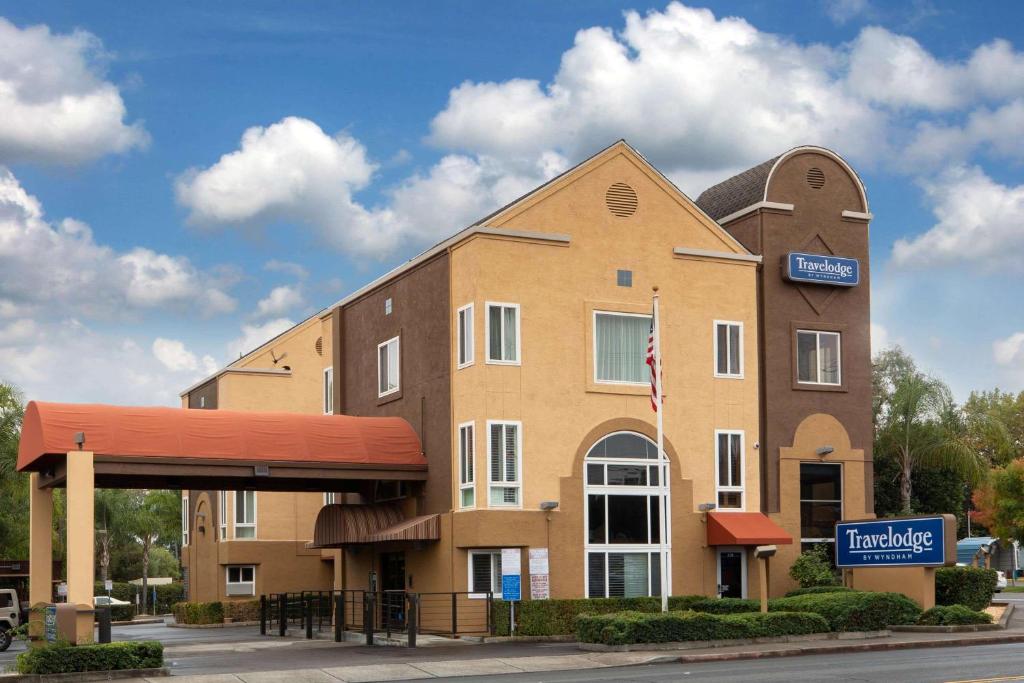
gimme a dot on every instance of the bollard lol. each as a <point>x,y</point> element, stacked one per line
<point>339,617</point>
<point>282,614</point>
<point>308,606</point>
<point>412,618</point>
<point>368,611</point>
<point>263,615</point>
<point>455,615</point>
<point>103,615</point>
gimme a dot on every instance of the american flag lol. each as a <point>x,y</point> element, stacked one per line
<point>652,362</point>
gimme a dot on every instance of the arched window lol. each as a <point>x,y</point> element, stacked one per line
<point>626,490</point>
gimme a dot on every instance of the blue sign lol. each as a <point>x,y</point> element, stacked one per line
<point>820,269</point>
<point>918,542</point>
<point>511,587</point>
<point>50,623</point>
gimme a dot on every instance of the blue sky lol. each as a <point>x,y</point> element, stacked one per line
<point>181,182</point>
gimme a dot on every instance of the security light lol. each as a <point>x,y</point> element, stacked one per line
<point>707,507</point>
<point>79,439</point>
<point>765,551</point>
<point>548,505</point>
<point>824,450</point>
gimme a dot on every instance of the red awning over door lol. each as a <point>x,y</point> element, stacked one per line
<point>745,528</point>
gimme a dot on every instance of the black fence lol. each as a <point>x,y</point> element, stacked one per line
<point>388,612</point>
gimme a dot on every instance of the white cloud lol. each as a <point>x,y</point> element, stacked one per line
<point>61,266</point>
<point>296,270</point>
<point>997,131</point>
<point>57,107</point>
<point>254,336</point>
<point>20,330</point>
<point>880,339</point>
<point>978,223</point>
<point>842,11</point>
<point>280,300</point>
<point>176,358</point>
<point>1010,350</point>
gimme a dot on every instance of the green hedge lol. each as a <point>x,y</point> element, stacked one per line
<point>853,611</point>
<point>970,586</point>
<point>953,615</point>
<point>242,610</point>
<point>725,605</point>
<point>199,613</point>
<point>59,659</point>
<point>814,590</point>
<point>166,596</point>
<point>558,617</point>
<point>626,628</point>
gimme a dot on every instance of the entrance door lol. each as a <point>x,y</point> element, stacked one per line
<point>732,572</point>
<point>392,583</point>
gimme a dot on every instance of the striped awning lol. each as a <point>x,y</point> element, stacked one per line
<point>340,525</point>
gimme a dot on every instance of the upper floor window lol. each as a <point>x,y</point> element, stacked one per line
<point>245,514</point>
<point>729,469</point>
<point>328,390</point>
<point>222,513</point>
<point>818,357</point>
<point>387,306</point>
<point>467,474</point>
<point>387,367</point>
<point>184,520</point>
<point>728,349</point>
<point>504,449</point>
<point>620,347</point>
<point>330,497</point>
<point>503,333</point>
<point>465,333</point>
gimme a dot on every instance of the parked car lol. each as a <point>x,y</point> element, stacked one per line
<point>10,617</point>
<point>103,601</point>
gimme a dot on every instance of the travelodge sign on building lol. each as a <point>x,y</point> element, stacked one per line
<point>898,542</point>
<point>821,269</point>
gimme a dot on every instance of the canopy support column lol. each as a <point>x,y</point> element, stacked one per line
<point>81,528</point>
<point>40,542</point>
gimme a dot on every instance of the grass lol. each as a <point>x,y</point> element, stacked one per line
<point>1013,589</point>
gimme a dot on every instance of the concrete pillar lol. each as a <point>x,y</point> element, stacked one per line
<point>40,542</point>
<point>81,527</point>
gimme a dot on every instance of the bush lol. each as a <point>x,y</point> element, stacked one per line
<point>970,586</point>
<point>626,628</point>
<point>725,605</point>
<point>814,568</point>
<point>58,659</point>
<point>816,590</point>
<point>242,610</point>
<point>953,615</point>
<point>854,610</point>
<point>558,617</point>
<point>167,595</point>
<point>199,612</point>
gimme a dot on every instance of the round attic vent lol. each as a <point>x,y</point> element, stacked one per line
<point>816,178</point>
<point>319,346</point>
<point>621,200</point>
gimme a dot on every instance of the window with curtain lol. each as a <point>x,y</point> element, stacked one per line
<point>387,367</point>
<point>504,455</point>
<point>245,514</point>
<point>620,347</point>
<point>729,469</point>
<point>465,335</point>
<point>503,333</point>
<point>818,358</point>
<point>728,349</point>
<point>467,479</point>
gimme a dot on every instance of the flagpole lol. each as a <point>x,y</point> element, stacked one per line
<point>662,469</point>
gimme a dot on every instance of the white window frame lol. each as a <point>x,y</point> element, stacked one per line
<point>184,520</point>
<point>743,566</point>
<point>741,488</point>
<point>518,484</point>
<point>727,375</point>
<point>388,306</point>
<point>228,582</point>
<point>487,333</point>
<point>495,555</point>
<point>817,357</point>
<point>329,390</point>
<point>398,366</point>
<point>330,497</point>
<point>598,380</point>
<point>842,499</point>
<point>467,465</point>
<point>244,525</point>
<point>222,514</point>
<point>464,332</point>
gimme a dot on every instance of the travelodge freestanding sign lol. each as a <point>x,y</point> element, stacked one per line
<point>897,542</point>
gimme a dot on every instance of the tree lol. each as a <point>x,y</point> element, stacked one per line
<point>999,504</point>
<point>112,508</point>
<point>13,484</point>
<point>918,424</point>
<point>1008,410</point>
<point>154,518</point>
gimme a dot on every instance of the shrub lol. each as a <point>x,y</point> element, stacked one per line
<point>953,615</point>
<point>558,617</point>
<point>725,605</point>
<point>640,627</point>
<point>199,612</point>
<point>242,610</point>
<point>167,595</point>
<point>815,590</point>
<point>813,568</point>
<point>970,586</point>
<point>63,658</point>
<point>853,611</point>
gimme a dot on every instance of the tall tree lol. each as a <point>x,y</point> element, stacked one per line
<point>112,507</point>
<point>13,484</point>
<point>155,518</point>
<point>1007,409</point>
<point>999,503</point>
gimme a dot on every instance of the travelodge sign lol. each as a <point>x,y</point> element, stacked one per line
<point>820,269</point>
<point>897,542</point>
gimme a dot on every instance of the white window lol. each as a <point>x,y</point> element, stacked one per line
<point>728,349</point>
<point>502,333</point>
<point>729,469</point>
<point>329,497</point>
<point>484,573</point>
<point>387,306</point>
<point>328,390</point>
<point>184,520</point>
<point>202,401</point>
<point>467,455</point>
<point>241,580</point>
<point>818,357</point>
<point>245,514</point>
<point>222,514</point>
<point>465,332</point>
<point>387,367</point>
<point>504,451</point>
<point>620,348</point>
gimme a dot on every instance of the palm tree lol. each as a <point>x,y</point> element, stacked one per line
<point>155,518</point>
<point>112,509</point>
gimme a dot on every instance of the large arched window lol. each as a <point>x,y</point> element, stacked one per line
<point>626,490</point>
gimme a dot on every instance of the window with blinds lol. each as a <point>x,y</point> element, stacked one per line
<point>467,452</point>
<point>623,575</point>
<point>485,572</point>
<point>504,463</point>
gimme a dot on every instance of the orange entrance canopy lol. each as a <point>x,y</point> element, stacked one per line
<point>745,528</point>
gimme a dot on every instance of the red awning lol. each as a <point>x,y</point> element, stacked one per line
<point>745,528</point>
<point>224,435</point>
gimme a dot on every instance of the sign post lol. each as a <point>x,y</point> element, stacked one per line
<point>511,582</point>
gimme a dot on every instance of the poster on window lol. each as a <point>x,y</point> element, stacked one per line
<point>510,561</point>
<point>539,578</point>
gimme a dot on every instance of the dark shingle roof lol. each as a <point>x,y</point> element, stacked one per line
<point>738,192</point>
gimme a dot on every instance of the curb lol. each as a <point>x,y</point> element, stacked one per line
<point>734,642</point>
<point>84,676</point>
